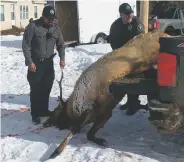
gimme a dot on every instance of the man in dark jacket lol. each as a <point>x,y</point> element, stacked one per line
<point>39,40</point>
<point>122,30</point>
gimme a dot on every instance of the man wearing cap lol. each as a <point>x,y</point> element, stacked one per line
<point>122,30</point>
<point>39,39</point>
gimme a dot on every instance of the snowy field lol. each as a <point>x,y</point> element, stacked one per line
<point>130,138</point>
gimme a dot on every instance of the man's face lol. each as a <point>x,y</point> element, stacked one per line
<point>126,18</point>
<point>47,21</point>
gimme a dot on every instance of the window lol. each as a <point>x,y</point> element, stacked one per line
<point>183,23</point>
<point>24,12</point>
<point>12,12</point>
<point>167,14</point>
<point>35,12</point>
<point>21,12</point>
<point>27,13</point>
<point>183,13</point>
<point>2,13</point>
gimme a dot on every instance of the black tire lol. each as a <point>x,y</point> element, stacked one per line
<point>100,38</point>
<point>171,31</point>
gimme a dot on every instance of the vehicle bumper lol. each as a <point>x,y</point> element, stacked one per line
<point>141,84</point>
<point>156,105</point>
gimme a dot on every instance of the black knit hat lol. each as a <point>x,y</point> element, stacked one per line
<point>49,12</point>
<point>125,8</point>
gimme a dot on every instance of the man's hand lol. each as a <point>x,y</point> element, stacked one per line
<point>107,38</point>
<point>32,67</point>
<point>62,64</point>
<point>155,66</point>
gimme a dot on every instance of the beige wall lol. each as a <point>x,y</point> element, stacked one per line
<point>7,24</point>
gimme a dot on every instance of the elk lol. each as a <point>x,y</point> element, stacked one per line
<point>91,100</point>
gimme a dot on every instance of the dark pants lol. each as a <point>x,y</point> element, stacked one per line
<point>133,99</point>
<point>41,83</point>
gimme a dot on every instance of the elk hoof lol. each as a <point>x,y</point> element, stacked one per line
<point>100,141</point>
<point>54,154</point>
<point>47,123</point>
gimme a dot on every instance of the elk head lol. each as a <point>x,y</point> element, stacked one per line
<point>59,117</point>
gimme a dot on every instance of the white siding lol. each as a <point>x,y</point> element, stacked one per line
<point>7,24</point>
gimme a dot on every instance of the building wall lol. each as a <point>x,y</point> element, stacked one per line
<point>7,24</point>
<point>22,23</point>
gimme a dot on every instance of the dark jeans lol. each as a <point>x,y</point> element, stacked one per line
<point>41,83</point>
<point>133,99</point>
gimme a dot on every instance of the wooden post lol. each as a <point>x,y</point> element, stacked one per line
<point>144,13</point>
<point>141,10</point>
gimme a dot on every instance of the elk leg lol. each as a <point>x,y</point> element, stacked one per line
<point>99,123</point>
<point>86,117</point>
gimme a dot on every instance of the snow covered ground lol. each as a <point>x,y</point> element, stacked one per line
<point>131,139</point>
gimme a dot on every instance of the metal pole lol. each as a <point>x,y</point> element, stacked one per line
<point>141,10</point>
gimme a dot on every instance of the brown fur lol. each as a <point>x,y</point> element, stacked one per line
<point>138,55</point>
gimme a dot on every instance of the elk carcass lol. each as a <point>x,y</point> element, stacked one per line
<point>90,100</point>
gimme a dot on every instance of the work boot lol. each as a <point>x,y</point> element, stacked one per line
<point>132,108</point>
<point>36,120</point>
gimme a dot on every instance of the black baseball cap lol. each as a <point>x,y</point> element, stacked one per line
<point>49,12</point>
<point>125,8</point>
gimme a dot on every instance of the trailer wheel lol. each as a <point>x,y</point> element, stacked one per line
<point>171,31</point>
<point>100,38</point>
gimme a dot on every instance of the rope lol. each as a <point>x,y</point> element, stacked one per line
<point>67,17</point>
<point>36,130</point>
<point>7,114</point>
<point>13,111</point>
